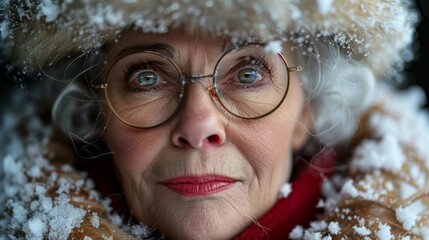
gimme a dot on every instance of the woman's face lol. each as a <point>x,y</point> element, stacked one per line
<point>204,174</point>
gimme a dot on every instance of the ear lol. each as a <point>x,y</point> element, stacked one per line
<point>301,131</point>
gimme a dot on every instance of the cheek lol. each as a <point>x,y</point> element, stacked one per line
<point>267,143</point>
<point>270,137</point>
<point>133,150</point>
<point>267,147</point>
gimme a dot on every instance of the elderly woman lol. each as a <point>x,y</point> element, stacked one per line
<point>211,120</point>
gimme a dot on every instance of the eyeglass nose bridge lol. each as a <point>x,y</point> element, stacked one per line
<point>198,79</point>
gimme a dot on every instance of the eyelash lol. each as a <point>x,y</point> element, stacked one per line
<point>131,69</point>
<point>260,62</point>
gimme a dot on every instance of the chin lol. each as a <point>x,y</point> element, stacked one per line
<point>215,217</point>
<point>206,224</point>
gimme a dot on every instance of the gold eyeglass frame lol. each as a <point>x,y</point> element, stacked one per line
<point>212,90</point>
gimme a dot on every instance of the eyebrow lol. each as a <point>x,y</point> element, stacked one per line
<point>227,45</point>
<point>162,48</point>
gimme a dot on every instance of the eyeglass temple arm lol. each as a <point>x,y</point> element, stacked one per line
<point>99,85</point>
<point>294,69</point>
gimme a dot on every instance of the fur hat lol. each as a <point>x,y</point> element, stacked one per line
<point>39,33</point>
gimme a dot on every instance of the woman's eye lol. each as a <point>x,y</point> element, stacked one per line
<point>146,78</point>
<point>249,75</point>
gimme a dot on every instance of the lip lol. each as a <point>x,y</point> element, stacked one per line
<point>201,185</point>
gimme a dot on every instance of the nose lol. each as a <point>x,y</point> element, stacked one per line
<point>199,124</point>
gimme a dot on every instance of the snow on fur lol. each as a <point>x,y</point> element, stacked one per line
<point>401,124</point>
<point>38,197</point>
<point>29,212</point>
<point>379,29</point>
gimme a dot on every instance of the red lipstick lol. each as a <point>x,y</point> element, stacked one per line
<point>200,185</point>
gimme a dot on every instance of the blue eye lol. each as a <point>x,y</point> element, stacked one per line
<point>249,75</point>
<point>147,78</point>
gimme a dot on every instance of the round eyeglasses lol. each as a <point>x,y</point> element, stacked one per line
<point>145,89</point>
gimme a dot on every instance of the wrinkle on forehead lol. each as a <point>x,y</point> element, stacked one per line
<point>194,54</point>
<point>201,57</point>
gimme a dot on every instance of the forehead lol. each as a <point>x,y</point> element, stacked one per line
<point>177,42</point>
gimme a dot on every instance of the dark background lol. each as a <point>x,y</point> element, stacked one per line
<point>416,72</point>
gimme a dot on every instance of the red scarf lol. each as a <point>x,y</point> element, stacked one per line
<point>296,209</point>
